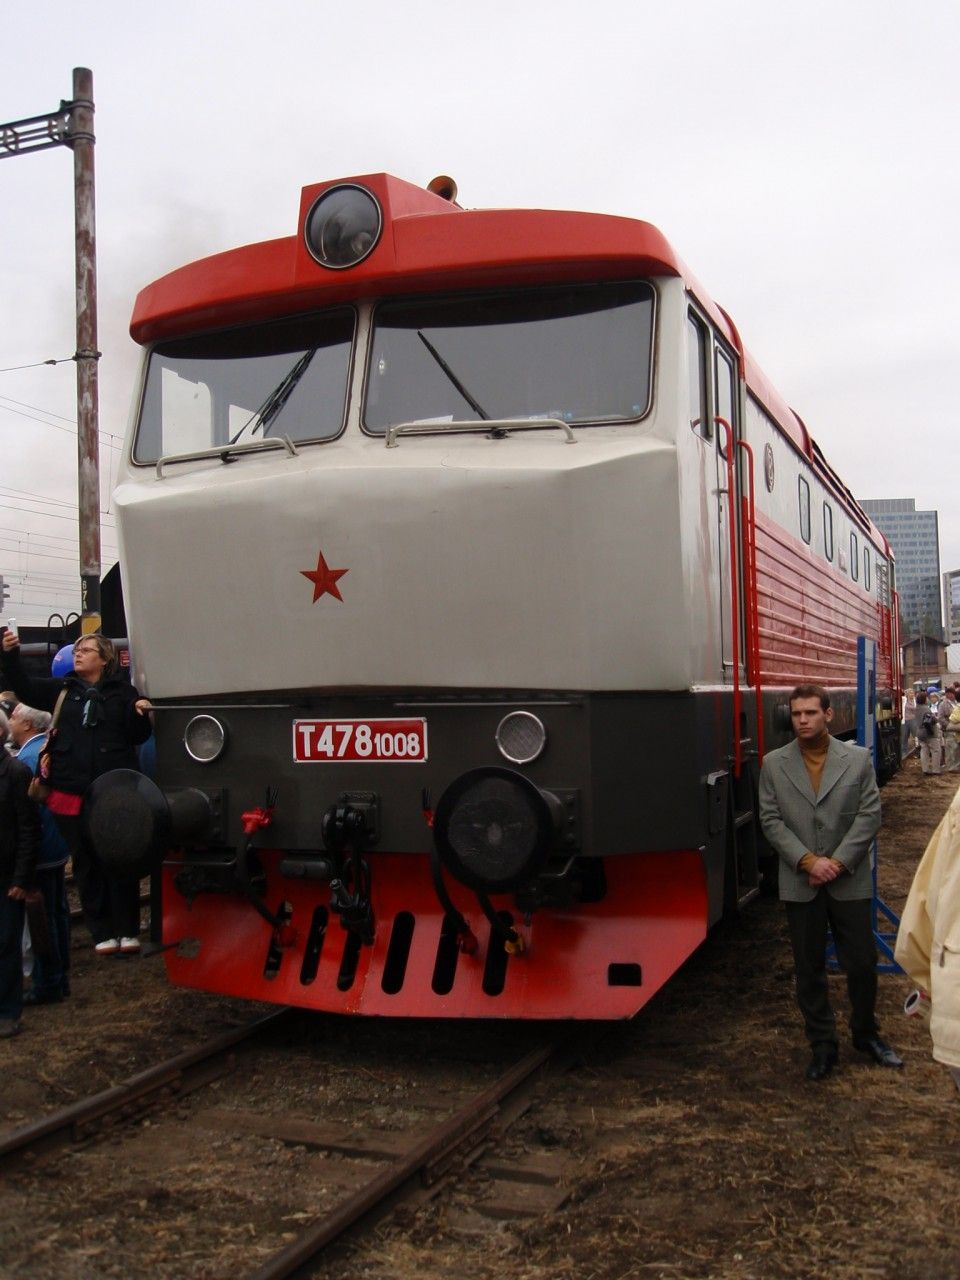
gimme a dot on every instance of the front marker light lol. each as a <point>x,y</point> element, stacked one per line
<point>204,739</point>
<point>521,737</point>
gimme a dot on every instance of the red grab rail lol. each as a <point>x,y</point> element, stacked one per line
<point>734,591</point>
<point>751,600</point>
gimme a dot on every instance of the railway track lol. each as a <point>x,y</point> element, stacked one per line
<point>424,1165</point>
<point>348,1175</point>
<point>174,1078</point>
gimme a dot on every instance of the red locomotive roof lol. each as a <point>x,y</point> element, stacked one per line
<point>427,243</point>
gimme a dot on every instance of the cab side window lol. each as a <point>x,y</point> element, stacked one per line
<point>698,398</point>
<point>725,383</point>
<point>803,491</point>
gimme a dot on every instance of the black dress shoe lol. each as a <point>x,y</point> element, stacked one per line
<point>821,1064</point>
<point>879,1051</point>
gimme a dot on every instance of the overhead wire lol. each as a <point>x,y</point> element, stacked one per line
<point>6,402</point>
<point>8,491</point>
<point>51,515</point>
<point>61,585</point>
<point>19,532</point>
<point>38,364</point>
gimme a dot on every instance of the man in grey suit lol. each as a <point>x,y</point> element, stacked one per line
<point>820,810</point>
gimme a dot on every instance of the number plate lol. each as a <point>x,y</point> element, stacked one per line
<point>378,741</point>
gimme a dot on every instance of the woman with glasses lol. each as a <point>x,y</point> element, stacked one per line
<point>101,721</point>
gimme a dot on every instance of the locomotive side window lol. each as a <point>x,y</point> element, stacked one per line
<point>803,492</point>
<point>700,419</point>
<point>828,530</point>
<point>725,384</point>
<point>866,568</point>
<point>285,379</point>
<point>854,557</point>
<point>579,353</point>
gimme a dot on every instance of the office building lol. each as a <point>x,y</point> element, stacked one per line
<point>951,606</point>
<point>915,538</point>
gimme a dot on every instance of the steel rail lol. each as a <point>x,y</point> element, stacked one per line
<point>186,1071</point>
<point>426,1161</point>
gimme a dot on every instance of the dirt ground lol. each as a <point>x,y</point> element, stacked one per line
<point>700,1151</point>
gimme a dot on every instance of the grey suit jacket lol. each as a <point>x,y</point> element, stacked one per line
<point>840,822</point>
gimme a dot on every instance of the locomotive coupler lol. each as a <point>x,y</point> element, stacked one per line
<point>354,909</point>
<point>345,834</point>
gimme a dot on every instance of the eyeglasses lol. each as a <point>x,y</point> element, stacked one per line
<point>90,648</point>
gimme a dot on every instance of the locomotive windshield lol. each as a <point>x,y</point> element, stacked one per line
<point>283,379</point>
<point>580,353</point>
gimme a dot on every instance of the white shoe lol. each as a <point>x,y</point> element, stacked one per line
<point>129,946</point>
<point>108,947</point>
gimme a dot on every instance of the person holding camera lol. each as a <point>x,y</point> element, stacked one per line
<point>100,720</point>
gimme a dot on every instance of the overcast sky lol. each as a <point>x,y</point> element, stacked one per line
<point>801,157</point>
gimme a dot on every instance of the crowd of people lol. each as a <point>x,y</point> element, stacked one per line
<point>64,731</point>
<point>935,722</point>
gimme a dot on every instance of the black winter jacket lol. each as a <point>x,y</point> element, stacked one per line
<point>19,825</point>
<point>97,730</point>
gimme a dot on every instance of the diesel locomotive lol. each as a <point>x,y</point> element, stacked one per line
<point>468,561</point>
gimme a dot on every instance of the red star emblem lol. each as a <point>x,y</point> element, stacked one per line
<point>324,579</point>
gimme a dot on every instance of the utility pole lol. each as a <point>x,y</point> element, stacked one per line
<point>72,126</point>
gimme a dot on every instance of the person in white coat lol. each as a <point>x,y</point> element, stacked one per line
<point>928,942</point>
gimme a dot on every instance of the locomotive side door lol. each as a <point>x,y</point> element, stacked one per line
<point>712,393</point>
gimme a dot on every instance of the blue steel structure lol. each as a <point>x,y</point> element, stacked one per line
<point>884,918</point>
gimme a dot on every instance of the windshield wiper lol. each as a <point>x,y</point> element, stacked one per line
<point>277,398</point>
<point>474,404</point>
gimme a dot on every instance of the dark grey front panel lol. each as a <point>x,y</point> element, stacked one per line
<point>632,768</point>
<point>460,736</point>
<point>652,756</point>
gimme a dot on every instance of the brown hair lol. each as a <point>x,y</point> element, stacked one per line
<point>811,691</point>
<point>106,651</point>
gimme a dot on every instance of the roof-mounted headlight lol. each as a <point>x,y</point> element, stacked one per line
<point>343,227</point>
